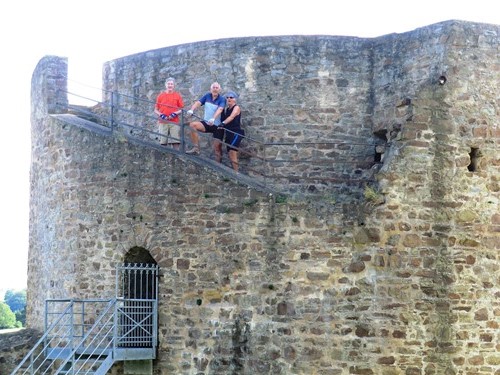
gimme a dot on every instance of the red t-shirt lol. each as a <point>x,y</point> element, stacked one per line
<point>167,103</point>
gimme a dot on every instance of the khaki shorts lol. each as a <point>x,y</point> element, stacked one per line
<point>170,133</point>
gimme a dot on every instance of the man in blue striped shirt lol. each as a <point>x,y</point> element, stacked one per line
<point>214,104</point>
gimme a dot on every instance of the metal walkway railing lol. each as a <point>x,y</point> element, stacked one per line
<point>283,167</point>
<point>88,336</point>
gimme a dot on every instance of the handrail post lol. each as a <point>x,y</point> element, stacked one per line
<point>72,331</point>
<point>46,328</point>
<point>266,170</point>
<point>83,319</point>
<point>112,109</point>
<point>115,325</point>
<point>183,141</point>
<point>46,315</point>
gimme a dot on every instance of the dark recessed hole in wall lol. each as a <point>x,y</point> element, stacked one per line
<point>474,155</point>
<point>378,157</point>
<point>442,80</point>
<point>382,134</point>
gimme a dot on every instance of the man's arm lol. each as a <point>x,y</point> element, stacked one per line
<point>218,112</point>
<point>195,105</point>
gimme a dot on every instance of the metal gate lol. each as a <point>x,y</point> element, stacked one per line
<point>137,305</point>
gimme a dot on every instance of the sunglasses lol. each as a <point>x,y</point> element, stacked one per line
<point>229,97</point>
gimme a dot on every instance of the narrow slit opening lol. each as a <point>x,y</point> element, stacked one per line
<point>474,159</point>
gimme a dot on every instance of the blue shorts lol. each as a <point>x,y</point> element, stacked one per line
<point>233,139</point>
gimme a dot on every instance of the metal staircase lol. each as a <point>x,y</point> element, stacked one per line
<point>89,336</point>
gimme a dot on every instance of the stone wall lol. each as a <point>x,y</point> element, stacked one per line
<point>14,345</point>
<point>294,91</point>
<point>404,281</point>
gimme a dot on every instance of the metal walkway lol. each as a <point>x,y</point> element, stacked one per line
<point>89,336</point>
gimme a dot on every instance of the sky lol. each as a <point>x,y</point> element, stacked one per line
<point>92,32</point>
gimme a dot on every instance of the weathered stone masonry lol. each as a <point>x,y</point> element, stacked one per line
<point>407,283</point>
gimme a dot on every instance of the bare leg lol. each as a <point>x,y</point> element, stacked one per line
<point>196,126</point>
<point>218,150</point>
<point>194,135</point>
<point>233,156</point>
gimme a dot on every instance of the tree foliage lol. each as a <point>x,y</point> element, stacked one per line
<point>7,317</point>
<point>16,301</point>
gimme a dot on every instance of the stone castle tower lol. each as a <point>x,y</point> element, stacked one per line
<point>377,251</point>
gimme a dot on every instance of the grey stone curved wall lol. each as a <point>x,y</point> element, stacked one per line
<point>404,282</point>
<point>293,89</point>
<point>283,82</point>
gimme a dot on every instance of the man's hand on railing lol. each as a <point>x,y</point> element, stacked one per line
<point>190,112</point>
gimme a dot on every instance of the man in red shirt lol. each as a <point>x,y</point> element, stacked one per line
<point>168,106</point>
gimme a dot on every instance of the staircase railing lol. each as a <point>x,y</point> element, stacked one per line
<point>88,336</point>
<point>37,360</point>
<point>93,354</point>
<point>130,116</point>
<point>343,165</point>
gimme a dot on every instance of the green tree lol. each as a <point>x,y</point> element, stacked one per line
<point>7,317</point>
<point>17,303</point>
<point>21,317</point>
<point>15,300</point>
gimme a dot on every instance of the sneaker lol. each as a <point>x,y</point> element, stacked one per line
<point>193,151</point>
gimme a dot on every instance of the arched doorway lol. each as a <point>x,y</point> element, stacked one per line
<point>139,282</point>
<point>137,296</point>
